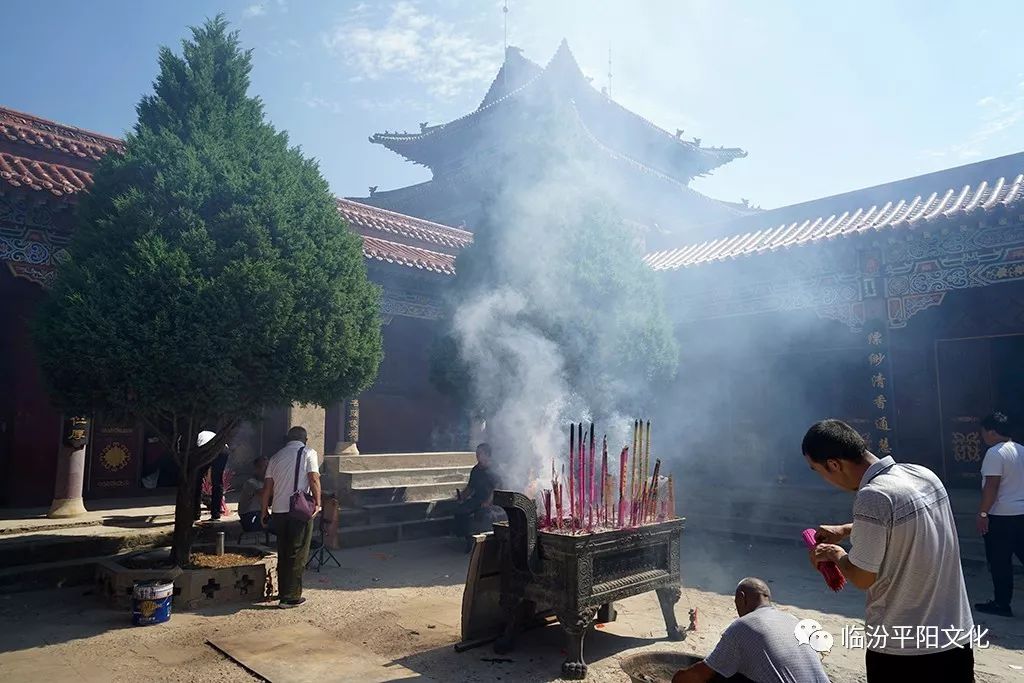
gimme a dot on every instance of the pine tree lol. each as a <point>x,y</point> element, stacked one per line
<point>211,274</point>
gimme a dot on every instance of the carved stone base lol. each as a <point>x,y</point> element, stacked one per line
<point>66,507</point>
<point>345,448</point>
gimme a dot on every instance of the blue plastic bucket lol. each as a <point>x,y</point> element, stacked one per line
<point>151,602</point>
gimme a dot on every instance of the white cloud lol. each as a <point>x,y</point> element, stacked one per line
<point>314,101</point>
<point>255,10</point>
<point>415,45</point>
<point>998,114</point>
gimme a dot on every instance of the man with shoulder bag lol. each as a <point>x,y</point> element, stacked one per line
<point>291,498</point>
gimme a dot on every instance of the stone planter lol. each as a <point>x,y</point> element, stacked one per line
<point>193,588</point>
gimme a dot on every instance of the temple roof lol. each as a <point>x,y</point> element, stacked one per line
<point>26,129</point>
<point>520,84</point>
<point>516,72</point>
<point>955,195</point>
<point>41,155</point>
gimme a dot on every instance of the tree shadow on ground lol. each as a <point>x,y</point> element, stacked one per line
<point>538,656</point>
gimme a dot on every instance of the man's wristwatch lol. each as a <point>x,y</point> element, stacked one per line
<point>983,515</point>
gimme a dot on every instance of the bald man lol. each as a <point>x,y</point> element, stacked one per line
<point>760,646</point>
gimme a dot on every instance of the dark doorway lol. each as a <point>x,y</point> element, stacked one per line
<point>975,377</point>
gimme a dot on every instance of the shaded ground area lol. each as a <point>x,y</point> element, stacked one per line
<point>400,604</point>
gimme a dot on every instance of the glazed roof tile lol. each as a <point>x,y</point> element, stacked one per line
<point>21,128</point>
<point>365,217</point>
<point>921,209</point>
<point>406,255</point>
<point>382,231</point>
<point>41,175</point>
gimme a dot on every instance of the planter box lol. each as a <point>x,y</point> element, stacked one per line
<point>193,588</point>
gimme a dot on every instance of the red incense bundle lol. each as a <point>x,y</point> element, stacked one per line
<point>671,506</point>
<point>558,499</point>
<point>652,499</point>
<point>622,486</point>
<point>603,512</point>
<point>547,509</point>
<point>581,479</point>
<point>830,570</point>
<point>572,471</point>
<point>590,481</point>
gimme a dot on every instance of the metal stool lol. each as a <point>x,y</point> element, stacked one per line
<point>322,553</point>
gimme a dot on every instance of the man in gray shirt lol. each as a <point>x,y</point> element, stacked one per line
<point>761,646</point>
<point>905,555</point>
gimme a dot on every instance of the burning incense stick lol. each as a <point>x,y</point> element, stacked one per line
<point>647,450</point>
<point>652,502</point>
<point>558,498</point>
<point>572,473</point>
<point>671,498</point>
<point>547,509</point>
<point>590,481</point>
<point>622,485</point>
<point>632,465</point>
<point>581,498</point>
<point>604,479</point>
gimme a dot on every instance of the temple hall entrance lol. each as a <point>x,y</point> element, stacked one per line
<point>975,377</point>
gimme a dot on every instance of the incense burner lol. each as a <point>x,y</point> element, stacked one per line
<point>574,576</point>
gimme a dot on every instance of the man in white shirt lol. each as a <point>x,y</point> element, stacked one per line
<point>293,468</point>
<point>1001,513</point>
<point>905,555</point>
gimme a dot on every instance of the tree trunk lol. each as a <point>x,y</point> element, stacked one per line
<point>184,517</point>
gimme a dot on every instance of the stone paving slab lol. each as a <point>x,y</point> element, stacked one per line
<point>303,653</point>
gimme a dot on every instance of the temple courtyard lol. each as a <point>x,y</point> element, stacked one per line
<point>392,612</point>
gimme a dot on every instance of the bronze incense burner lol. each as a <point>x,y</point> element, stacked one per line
<point>575,575</point>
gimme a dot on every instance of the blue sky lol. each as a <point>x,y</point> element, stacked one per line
<point>826,97</point>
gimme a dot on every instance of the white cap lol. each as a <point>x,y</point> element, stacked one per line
<point>205,438</point>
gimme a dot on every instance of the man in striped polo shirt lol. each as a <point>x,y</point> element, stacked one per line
<point>905,555</point>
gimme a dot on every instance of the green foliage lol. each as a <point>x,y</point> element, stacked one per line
<point>210,274</point>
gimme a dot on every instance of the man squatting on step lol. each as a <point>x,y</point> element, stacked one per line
<point>905,555</point>
<point>295,467</point>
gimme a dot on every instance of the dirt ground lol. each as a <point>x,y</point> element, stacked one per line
<point>401,604</point>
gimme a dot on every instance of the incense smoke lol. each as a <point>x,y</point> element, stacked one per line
<point>542,348</point>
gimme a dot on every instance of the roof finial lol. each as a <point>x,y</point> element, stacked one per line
<point>504,11</point>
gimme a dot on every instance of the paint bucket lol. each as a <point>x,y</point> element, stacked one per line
<point>151,602</point>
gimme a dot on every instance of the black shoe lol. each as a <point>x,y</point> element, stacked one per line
<point>993,607</point>
<point>288,604</point>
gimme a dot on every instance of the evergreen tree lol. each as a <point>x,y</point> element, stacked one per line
<point>211,274</point>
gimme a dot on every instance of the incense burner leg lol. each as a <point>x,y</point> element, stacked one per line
<point>575,625</point>
<point>517,612</point>
<point>668,597</point>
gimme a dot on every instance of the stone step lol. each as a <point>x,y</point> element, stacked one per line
<point>407,512</point>
<point>48,575</point>
<point>398,461</point>
<point>375,534</point>
<point>19,550</point>
<point>457,476</point>
<point>361,497</point>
